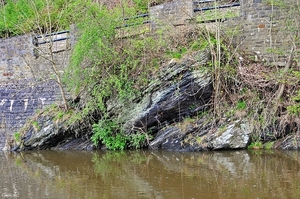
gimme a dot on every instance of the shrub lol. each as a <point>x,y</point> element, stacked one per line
<point>256,145</point>
<point>108,132</point>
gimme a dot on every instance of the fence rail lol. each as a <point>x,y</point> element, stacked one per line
<point>36,40</point>
<point>136,16</point>
<point>54,33</point>
<point>134,24</point>
<point>203,1</point>
<point>216,7</point>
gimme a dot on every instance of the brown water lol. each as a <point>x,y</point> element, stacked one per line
<point>150,174</point>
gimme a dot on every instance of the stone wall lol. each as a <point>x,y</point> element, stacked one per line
<point>20,101</point>
<point>13,55</point>
<point>174,13</point>
<point>29,56</point>
<point>260,29</point>
<point>265,35</point>
<point>26,76</point>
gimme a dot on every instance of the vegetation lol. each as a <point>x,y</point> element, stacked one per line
<point>109,133</point>
<point>256,145</point>
<point>17,136</point>
<point>19,16</point>
<point>108,62</point>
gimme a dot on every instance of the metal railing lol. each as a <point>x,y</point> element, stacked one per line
<point>203,1</point>
<point>134,17</point>
<point>230,4</point>
<point>216,7</point>
<point>36,41</point>
<point>137,16</point>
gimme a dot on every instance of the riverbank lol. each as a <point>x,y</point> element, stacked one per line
<point>175,112</point>
<point>182,87</point>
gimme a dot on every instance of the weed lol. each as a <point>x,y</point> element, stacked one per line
<point>295,108</point>
<point>268,145</point>
<point>256,145</point>
<point>59,115</point>
<point>135,140</point>
<point>105,131</point>
<point>185,124</point>
<point>35,126</point>
<point>241,105</point>
<point>17,137</point>
<point>108,132</point>
<point>199,140</point>
<point>221,130</point>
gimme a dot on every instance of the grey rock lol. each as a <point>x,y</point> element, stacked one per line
<point>235,135</point>
<point>53,135</point>
<point>181,91</point>
<point>290,142</point>
<point>169,139</point>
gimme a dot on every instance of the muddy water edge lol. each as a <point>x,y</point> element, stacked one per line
<point>150,174</point>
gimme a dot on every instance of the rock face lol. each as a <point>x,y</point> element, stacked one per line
<point>182,92</point>
<point>55,135</point>
<point>169,109</point>
<point>173,109</point>
<point>232,135</point>
<point>290,142</point>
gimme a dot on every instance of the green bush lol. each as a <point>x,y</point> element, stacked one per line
<point>105,131</point>
<point>256,145</point>
<point>23,16</point>
<point>269,145</point>
<point>108,133</point>
<point>135,140</point>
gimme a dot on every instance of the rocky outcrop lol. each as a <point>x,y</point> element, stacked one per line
<point>183,89</point>
<point>231,135</point>
<point>290,142</point>
<point>50,134</point>
<point>173,110</point>
<point>181,92</point>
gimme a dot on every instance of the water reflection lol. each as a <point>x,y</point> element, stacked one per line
<point>150,174</point>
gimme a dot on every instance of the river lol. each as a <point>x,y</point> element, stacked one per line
<point>150,174</point>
